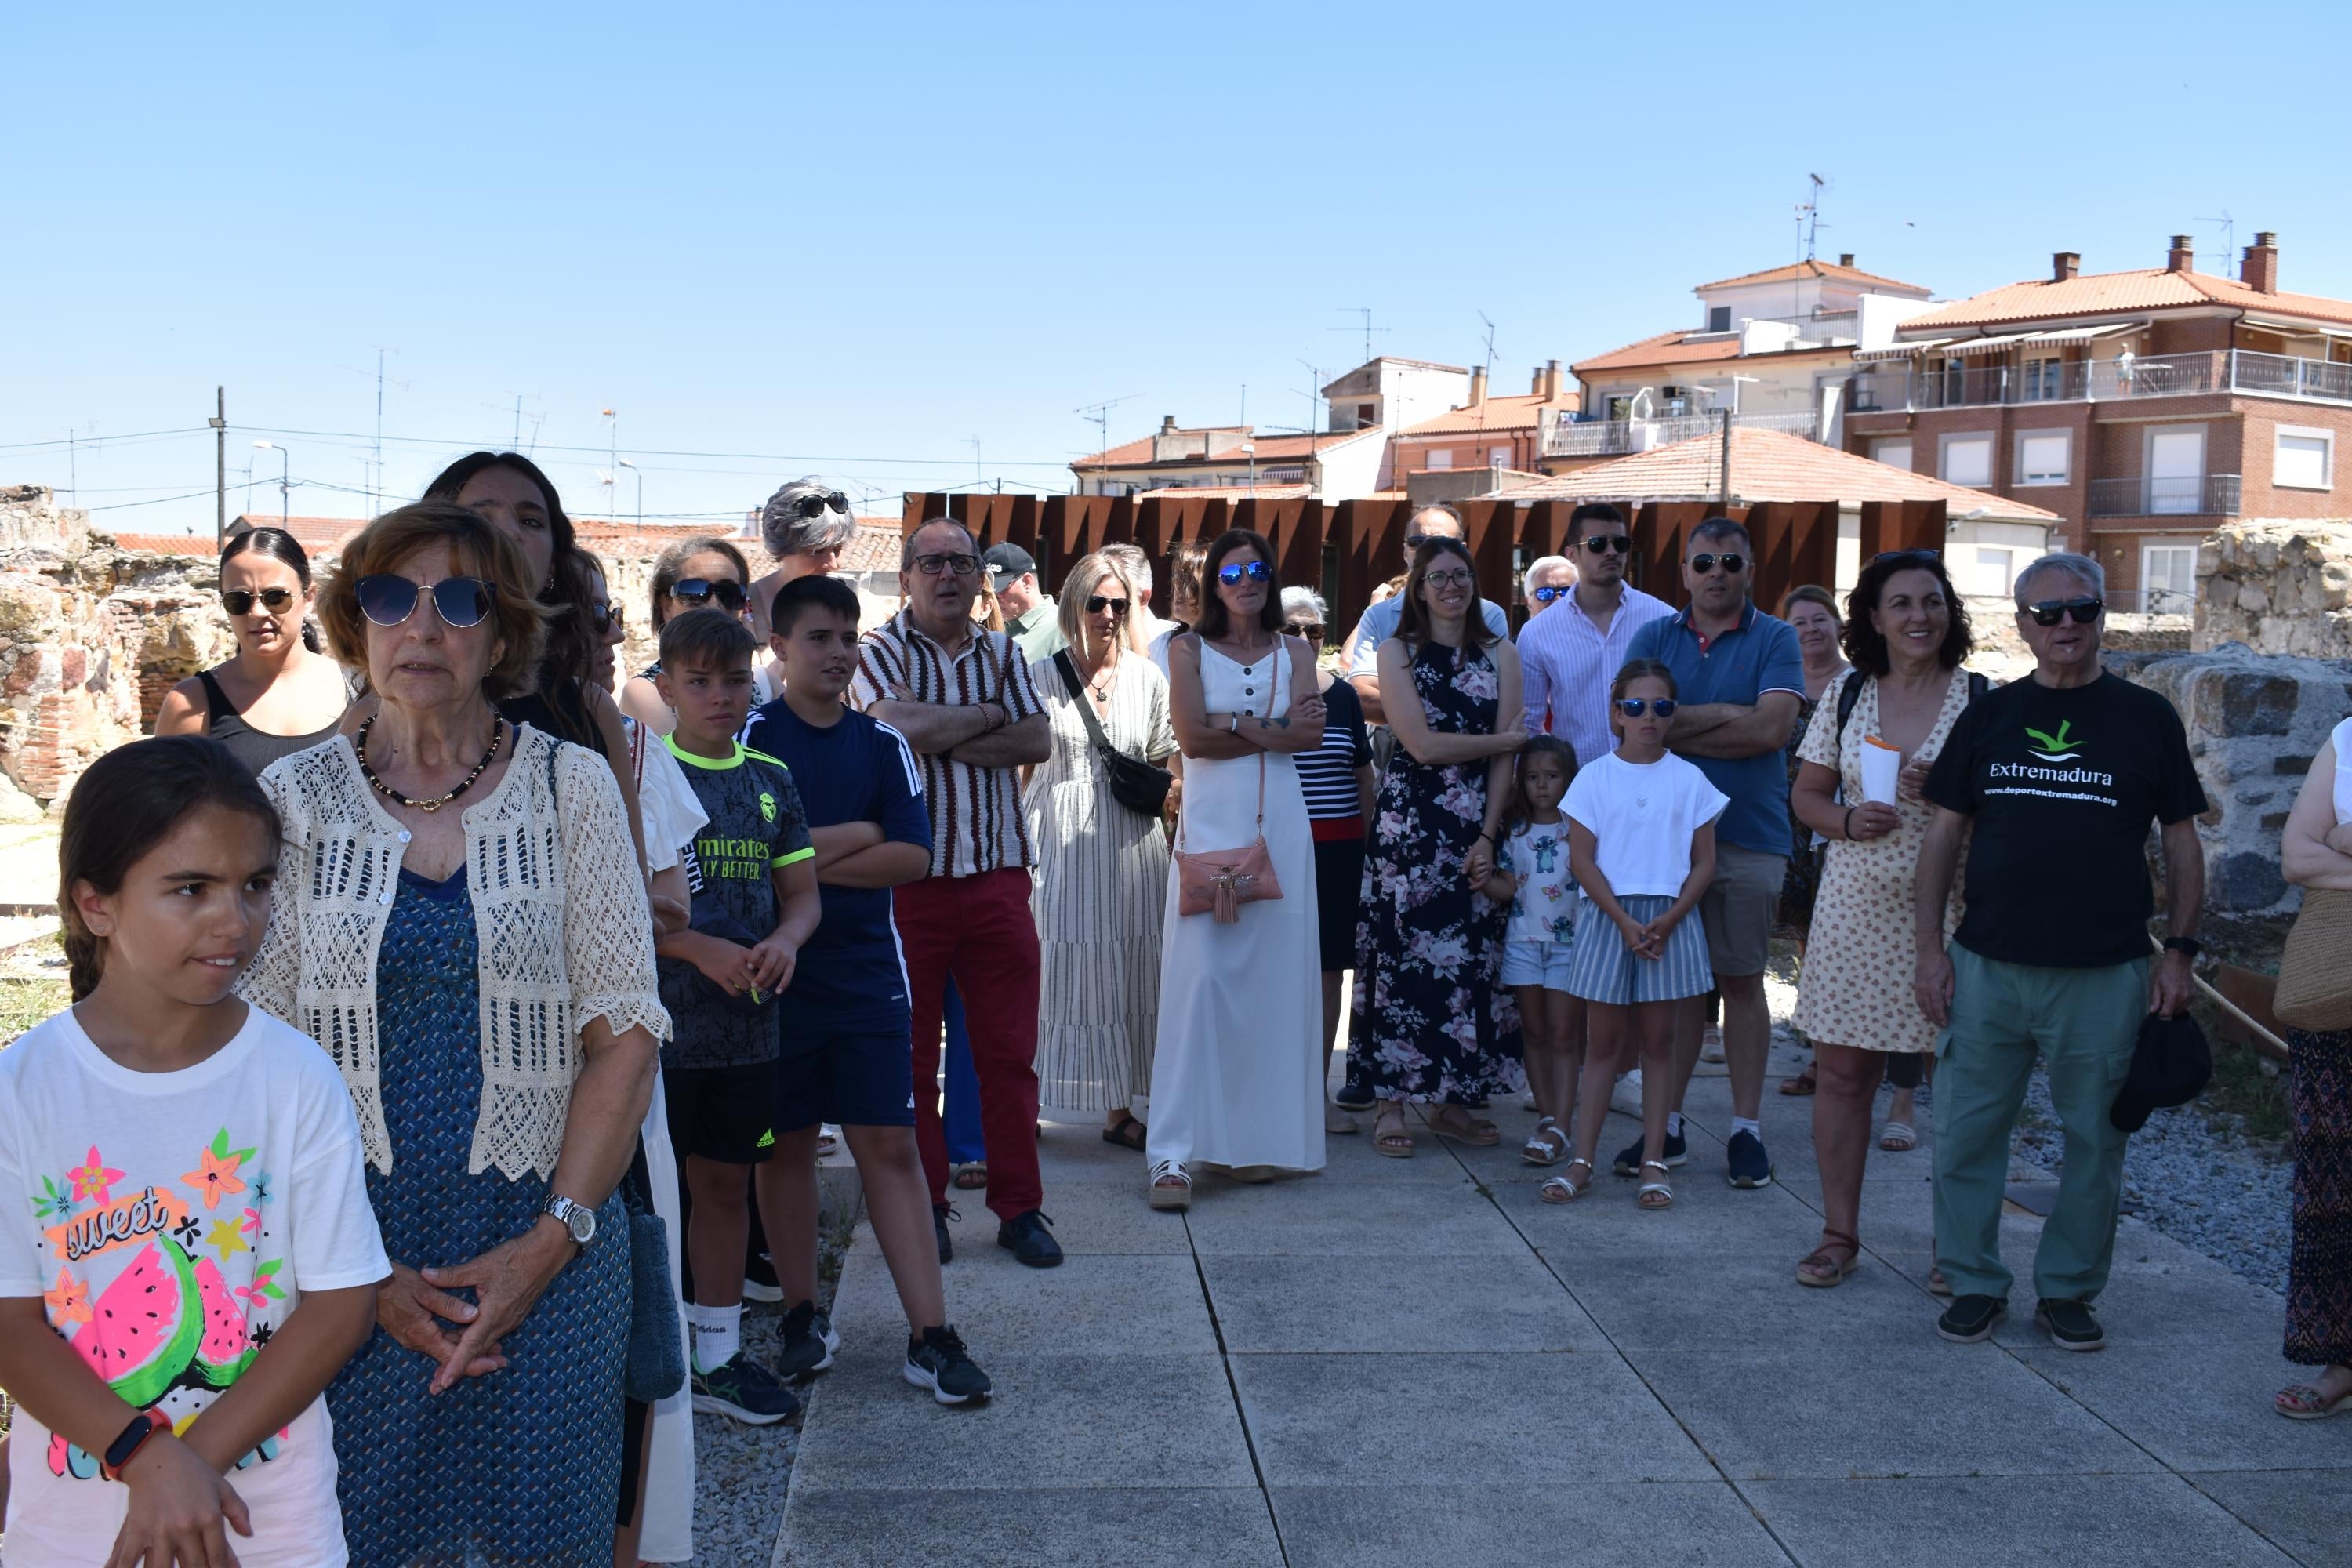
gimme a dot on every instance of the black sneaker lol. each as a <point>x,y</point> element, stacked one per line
<point>2071,1325</point>
<point>759,1279</point>
<point>809,1343</point>
<point>1026,1237</point>
<point>937,1362</point>
<point>1354,1096</point>
<point>741,1388</point>
<point>1629,1159</point>
<point>1969,1320</point>
<point>1750,1166</point>
<point>941,1215</point>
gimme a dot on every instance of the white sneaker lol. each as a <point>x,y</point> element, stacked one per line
<point>1710,1044</point>
<point>1626,1095</point>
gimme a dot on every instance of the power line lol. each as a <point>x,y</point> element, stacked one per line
<point>362,437</point>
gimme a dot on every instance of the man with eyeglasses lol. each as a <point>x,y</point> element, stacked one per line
<point>1567,659</point>
<point>962,696</point>
<point>1740,677</point>
<point>1379,623</point>
<point>2051,784</point>
<point>1031,617</point>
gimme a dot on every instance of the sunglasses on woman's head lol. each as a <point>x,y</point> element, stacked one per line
<point>1096,605</point>
<point>1547,594</point>
<point>700,591</point>
<point>1312,631</point>
<point>1702,564</point>
<point>1602,544</point>
<point>238,602</point>
<point>460,601</point>
<point>1923,557</point>
<point>1635,707</point>
<point>817,506</point>
<point>2049,612</point>
<point>1234,571</point>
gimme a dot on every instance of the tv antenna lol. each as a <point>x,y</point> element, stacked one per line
<point>1314,396</point>
<point>2229,240</point>
<point>1365,311</point>
<point>1809,213</point>
<point>1490,345</point>
<point>1100,413</point>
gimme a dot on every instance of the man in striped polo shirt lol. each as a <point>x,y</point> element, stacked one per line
<point>961,696</point>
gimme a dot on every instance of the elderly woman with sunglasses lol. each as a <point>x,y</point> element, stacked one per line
<point>460,918</point>
<point>274,696</point>
<point>1102,867</point>
<point>701,573</point>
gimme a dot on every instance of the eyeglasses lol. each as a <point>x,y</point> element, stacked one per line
<point>700,591</point>
<point>1925,557</point>
<point>1704,563</point>
<point>1635,707</point>
<point>1310,630</point>
<point>1602,544</point>
<point>960,564</point>
<point>460,601</point>
<point>1096,605</point>
<point>2049,612</point>
<point>818,505</point>
<point>238,602</point>
<point>1459,577</point>
<point>603,616</point>
<point>1234,571</point>
<point>1547,594</point>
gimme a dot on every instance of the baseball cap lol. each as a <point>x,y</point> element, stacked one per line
<point>1006,562</point>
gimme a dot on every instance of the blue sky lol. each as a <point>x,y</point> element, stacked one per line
<point>848,240</point>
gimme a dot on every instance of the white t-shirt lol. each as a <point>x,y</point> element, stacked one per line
<point>1642,816</point>
<point>171,1222</point>
<point>1544,907</point>
<point>2342,740</point>
<point>666,804</point>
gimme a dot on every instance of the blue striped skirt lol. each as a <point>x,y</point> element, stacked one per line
<point>1604,969</point>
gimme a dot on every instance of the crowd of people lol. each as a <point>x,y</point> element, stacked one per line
<point>496,1022</point>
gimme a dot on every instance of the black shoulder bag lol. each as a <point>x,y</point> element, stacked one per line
<point>1140,786</point>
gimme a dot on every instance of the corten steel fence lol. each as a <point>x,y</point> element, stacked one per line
<point>1345,549</point>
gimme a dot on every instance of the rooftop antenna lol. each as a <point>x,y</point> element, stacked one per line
<point>1100,413</point>
<point>1490,345</point>
<point>1314,396</point>
<point>1365,311</point>
<point>2229,240</point>
<point>375,498</point>
<point>1809,212</point>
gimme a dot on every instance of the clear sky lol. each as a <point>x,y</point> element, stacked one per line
<point>847,240</point>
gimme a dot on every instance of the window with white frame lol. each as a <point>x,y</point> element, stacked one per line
<point>1895,453</point>
<point>1441,457</point>
<point>2043,457</point>
<point>1967,460</point>
<point>2167,576</point>
<point>2306,459</point>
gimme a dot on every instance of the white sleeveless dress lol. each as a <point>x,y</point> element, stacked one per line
<point>1238,1077</point>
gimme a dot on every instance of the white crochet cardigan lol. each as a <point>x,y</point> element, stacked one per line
<point>559,908</point>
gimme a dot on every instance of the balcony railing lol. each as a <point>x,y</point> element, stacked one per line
<point>1956,385</point>
<point>1613,437</point>
<point>2214,495</point>
<point>1828,328</point>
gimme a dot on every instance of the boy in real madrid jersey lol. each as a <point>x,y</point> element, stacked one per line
<point>755,903</point>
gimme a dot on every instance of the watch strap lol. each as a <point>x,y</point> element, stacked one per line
<point>142,1428</point>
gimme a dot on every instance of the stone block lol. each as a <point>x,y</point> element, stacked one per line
<point>2258,703</point>
<point>2247,880</point>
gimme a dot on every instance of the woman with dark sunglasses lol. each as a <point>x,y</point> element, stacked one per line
<point>275,696</point>
<point>702,573</point>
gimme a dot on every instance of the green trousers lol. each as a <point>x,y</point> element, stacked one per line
<point>2085,1024</point>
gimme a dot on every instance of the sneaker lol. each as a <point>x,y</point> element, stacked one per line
<point>1026,1237</point>
<point>937,1362</point>
<point>1354,1096</point>
<point>1629,1159</point>
<point>941,1215</point>
<point>741,1388</point>
<point>1750,1166</point>
<point>2071,1325</point>
<point>1969,1319</point>
<point>759,1279</point>
<point>1710,1043</point>
<point>809,1343</point>
<point>1626,1095</point>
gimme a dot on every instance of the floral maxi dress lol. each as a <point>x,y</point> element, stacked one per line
<point>1431,1023</point>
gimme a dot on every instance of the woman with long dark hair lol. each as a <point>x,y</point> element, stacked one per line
<point>276,695</point>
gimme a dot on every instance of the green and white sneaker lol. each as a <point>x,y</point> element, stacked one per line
<point>742,1390</point>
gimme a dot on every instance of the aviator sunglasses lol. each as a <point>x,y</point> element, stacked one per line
<point>239,601</point>
<point>2049,612</point>
<point>460,601</point>
<point>701,591</point>
<point>1635,707</point>
<point>1234,571</point>
<point>1096,604</point>
<point>1602,544</point>
<point>1309,631</point>
<point>1703,563</point>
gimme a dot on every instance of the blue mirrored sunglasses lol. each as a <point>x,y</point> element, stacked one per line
<point>1635,707</point>
<point>1234,571</point>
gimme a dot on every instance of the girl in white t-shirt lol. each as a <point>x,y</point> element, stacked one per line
<point>1641,840</point>
<point>1532,876</point>
<point>188,1256</point>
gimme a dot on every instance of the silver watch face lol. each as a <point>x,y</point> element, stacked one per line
<point>582,1223</point>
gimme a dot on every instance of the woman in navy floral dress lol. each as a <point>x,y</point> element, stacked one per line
<point>1430,1024</point>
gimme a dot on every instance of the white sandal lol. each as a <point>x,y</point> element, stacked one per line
<point>1665,1191</point>
<point>1176,1197</point>
<point>1561,1190</point>
<point>1539,1149</point>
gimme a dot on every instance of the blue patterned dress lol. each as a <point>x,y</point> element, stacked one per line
<point>1431,1023</point>
<point>522,1467</point>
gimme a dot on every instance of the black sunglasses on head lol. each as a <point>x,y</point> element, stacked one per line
<point>1925,557</point>
<point>238,602</point>
<point>818,505</point>
<point>2050,611</point>
<point>700,591</point>
<point>1096,604</point>
<point>1703,562</point>
<point>460,601</point>
<point>1602,544</point>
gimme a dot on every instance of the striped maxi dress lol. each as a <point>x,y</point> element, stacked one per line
<point>1100,891</point>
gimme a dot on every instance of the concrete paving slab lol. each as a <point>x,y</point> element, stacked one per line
<point>1926,1409</point>
<point>1381,1306</point>
<point>1306,1217</point>
<point>1585,1522</point>
<point>2018,1522</point>
<point>1092,1220</point>
<point>1090,1305</point>
<point>1176,1527</point>
<point>2212,1413</point>
<point>1691,1300</point>
<point>2301,1511</point>
<point>1055,1421</point>
<point>1496,1421</point>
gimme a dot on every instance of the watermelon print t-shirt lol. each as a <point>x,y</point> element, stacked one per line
<point>170,1223</point>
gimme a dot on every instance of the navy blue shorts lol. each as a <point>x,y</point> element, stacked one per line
<point>721,1114</point>
<point>851,1077</point>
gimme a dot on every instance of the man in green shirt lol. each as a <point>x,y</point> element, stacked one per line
<point>1031,617</point>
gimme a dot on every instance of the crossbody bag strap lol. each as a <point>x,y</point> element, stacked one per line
<point>1069,668</point>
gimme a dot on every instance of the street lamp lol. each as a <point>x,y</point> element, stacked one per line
<point>285,483</point>
<point>625,462</point>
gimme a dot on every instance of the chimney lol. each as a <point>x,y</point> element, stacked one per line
<point>1845,259</point>
<point>2260,269</point>
<point>2065,264</point>
<point>2182,257</point>
<point>1168,424</point>
<point>1477,386</point>
<point>1535,382</point>
<point>1552,381</point>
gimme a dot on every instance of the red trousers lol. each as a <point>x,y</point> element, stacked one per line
<point>979,930</point>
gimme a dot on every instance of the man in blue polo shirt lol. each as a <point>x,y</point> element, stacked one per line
<point>1738,679</point>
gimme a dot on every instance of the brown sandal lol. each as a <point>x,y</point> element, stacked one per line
<point>1804,1083</point>
<point>1822,1268</point>
<point>1391,1141</point>
<point>1469,1131</point>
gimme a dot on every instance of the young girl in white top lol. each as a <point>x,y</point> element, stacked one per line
<point>1532,876</point>
<point>186,1251</point>
<point>1641,840</point>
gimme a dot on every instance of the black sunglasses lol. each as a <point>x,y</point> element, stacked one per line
<point>2050,611</point>
<point>1096,604</point>
<point>238,602</point>
<point>1547,594</point>
<point>701,591</point>
<point>1925,557</point>
<point>603,616</point>
<point>1635,707</point>
<point>460,601</point>
<point>1310,630</point>
<point>1702,564</point>
<point>1602,544</point>
<point>1234,571</point>
<point>818,505</point>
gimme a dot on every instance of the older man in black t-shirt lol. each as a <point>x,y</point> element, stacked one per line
<point>2060,775</point>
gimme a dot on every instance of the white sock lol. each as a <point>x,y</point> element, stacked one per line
<point>1674,1124</point>
<point>1633,1078</point>
<point>1745,1124</point>
<point>717,1332</point>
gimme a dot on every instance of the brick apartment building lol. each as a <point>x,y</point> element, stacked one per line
<point>2144,407</point>
<point>1489,432</point>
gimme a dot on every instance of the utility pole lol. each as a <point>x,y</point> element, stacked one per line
<point>219,422</point>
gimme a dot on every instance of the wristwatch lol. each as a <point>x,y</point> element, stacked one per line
<point>2187,946</point>
<point>577,1218</point>
<point>143,1425</point>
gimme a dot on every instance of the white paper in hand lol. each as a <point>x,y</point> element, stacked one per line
<point>1881,769</point>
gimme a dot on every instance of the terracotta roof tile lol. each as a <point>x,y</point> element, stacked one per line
<point>1236,492</point>
<point>873,548</point>
<point>1225,446</point>
<point>1512,413</point>
<point>1671,348</point>
<point>199,545</point>
<point>2106,293</point>
<point>1824,270</point>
